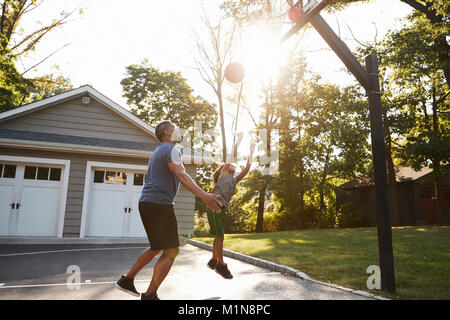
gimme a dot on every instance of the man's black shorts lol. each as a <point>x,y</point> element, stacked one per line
<point>160,224</point>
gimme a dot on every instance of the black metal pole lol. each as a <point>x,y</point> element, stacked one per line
<point>380,174</point>
<point>369,79</point>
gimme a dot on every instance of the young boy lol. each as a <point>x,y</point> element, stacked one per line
<point>225,186</point>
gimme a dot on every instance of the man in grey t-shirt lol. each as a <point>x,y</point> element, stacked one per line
<point>165,172</point>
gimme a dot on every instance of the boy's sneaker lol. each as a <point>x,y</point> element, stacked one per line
<point>149,296</point>
<point>212,264</point>
<point>127,285</point>
<point>222,269</point>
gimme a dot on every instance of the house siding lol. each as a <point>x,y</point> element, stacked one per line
<point>72,117</point>
<point>184,203</point>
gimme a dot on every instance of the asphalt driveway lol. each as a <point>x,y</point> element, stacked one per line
<point>51,272</point>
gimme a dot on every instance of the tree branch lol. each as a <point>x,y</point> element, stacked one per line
<point>45,58</point>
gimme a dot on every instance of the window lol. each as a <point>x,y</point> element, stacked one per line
<point>110,177</point>
<point>138,179</point>
<point>42,173</point>
<point>99,176</point>
<point>7,171</point>
<point>30,173</point>
<point>121,178</point>
<point>55,174</point>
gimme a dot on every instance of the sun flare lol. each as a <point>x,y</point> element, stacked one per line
<point>261,54</point>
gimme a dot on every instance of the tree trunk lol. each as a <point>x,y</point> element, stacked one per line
<point>393,190</point>
<point>301,211</point>
<point>222,126</point>
<point>260,216</point>
<point>438,186</point>
<point>322,182</point>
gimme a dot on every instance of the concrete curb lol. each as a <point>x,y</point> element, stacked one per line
<point>278,268</point>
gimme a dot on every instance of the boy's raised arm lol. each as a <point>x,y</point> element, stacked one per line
<point>244,172</point>
<point>233,153</point>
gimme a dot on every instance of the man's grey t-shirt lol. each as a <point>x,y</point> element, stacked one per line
<point>161,185</point>
<point>225,187</point>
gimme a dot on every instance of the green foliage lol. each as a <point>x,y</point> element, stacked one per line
<point>15,88</point>
<point>201,225</point>
<point>165,95</point>
<point>349,217</point>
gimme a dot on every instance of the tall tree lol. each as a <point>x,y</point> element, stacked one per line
<point>156,95</point>
<point>211,59</point>
<point>16,89</point>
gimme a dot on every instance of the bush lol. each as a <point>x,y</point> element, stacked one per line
<point>201,225</point>
<point>349,217</point>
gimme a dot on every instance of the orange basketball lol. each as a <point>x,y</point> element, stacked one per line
<point>295,14</point>
<point>234,72</point>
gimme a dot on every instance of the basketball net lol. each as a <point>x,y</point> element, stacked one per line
<point>275,13</point>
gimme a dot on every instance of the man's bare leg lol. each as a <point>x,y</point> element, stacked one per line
<point>144,258</point>
<point>162,268</point>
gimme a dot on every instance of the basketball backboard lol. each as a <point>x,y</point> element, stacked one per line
<point>312,8</point>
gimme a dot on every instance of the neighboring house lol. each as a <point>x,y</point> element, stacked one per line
<point>73,165</point>
<point>415,197</point>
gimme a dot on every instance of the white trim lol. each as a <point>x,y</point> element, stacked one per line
<point>87,185</point>
<point>66,147</point>
<point>65,182</point>
<point>72,93</point>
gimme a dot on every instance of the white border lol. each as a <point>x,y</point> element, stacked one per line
<point>65,182</point>
<point>87,185</point>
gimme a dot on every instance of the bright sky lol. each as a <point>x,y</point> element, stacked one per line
<point>111,35</point>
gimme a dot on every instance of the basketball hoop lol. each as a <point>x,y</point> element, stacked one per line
<point>276,12</point>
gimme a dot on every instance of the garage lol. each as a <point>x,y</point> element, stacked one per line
<point>112,202</point>
<point>31,197</point>
<point>73,166</point>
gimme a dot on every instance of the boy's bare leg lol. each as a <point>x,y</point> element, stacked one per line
<point>219,249</point>
<point>215,248</point>
<point>162,268</point>
<point>144,258</point>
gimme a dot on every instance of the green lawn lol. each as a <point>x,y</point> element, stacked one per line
<point>341,256</point>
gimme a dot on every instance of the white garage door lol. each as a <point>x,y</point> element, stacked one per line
<point>113,204</point>
<point>29,199</point>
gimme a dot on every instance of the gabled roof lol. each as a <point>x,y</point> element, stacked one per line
<point>86,89</point>
<point>72,143</point>
<point>405,174</point>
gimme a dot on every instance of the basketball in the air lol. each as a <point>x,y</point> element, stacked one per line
<point>295,14</point>
<point>234,72</point>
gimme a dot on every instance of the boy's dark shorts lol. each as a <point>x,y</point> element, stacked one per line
<point>216,221</point>
<point>160,224</point>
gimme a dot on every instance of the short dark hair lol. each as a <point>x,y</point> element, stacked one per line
<point>161,128</point>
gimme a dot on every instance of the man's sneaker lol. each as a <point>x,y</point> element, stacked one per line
<point>127,285</point>
<point>149,296</point>
<point>212,264</point>
<point>222,269</point>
